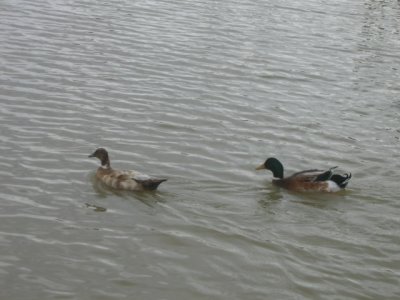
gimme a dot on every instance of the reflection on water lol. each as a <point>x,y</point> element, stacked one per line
<point>199,93</point>
<point>95,207</point>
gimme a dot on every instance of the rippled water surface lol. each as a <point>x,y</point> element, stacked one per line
<point>200,92</point>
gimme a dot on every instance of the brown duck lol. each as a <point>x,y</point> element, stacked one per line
<point>309,180</point>
<point>120,179</point>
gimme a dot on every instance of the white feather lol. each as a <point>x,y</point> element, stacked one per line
<point>332,186</point>
<point>141,177</point>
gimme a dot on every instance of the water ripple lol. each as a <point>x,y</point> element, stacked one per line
<point>200,93</point>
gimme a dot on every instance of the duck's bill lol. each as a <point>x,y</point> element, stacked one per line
<point>260,167</point>
<point>91,155</point>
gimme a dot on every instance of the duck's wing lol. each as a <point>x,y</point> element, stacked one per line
<point>122,175</point>
<point>313,175</point>
<point>146,181</point>
<point>306,175</point>
<point>125,174</point>
<point>117,179</point>
<point>325,175</point>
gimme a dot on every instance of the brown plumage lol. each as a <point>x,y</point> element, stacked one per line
<point>123,180</point>
<point>302,183</point>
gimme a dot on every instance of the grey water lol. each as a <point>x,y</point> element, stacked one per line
<point>200,92</point>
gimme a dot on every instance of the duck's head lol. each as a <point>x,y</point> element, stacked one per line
<point>101,154</point>
<point>274,166</point>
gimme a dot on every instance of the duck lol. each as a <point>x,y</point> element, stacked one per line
<point>308,180</point>
<point>121,179</point>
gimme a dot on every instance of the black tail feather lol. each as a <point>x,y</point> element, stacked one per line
<point>150,184</point>
<point>340,180</point>
<point>326,175</point>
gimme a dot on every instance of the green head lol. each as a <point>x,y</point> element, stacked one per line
<point>274,166</point>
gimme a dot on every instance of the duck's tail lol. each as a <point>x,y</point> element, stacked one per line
<point>150,184</point>
<point>340,180</point>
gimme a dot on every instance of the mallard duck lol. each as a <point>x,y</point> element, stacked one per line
<point>309,180</point>
<point>124,180</point>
